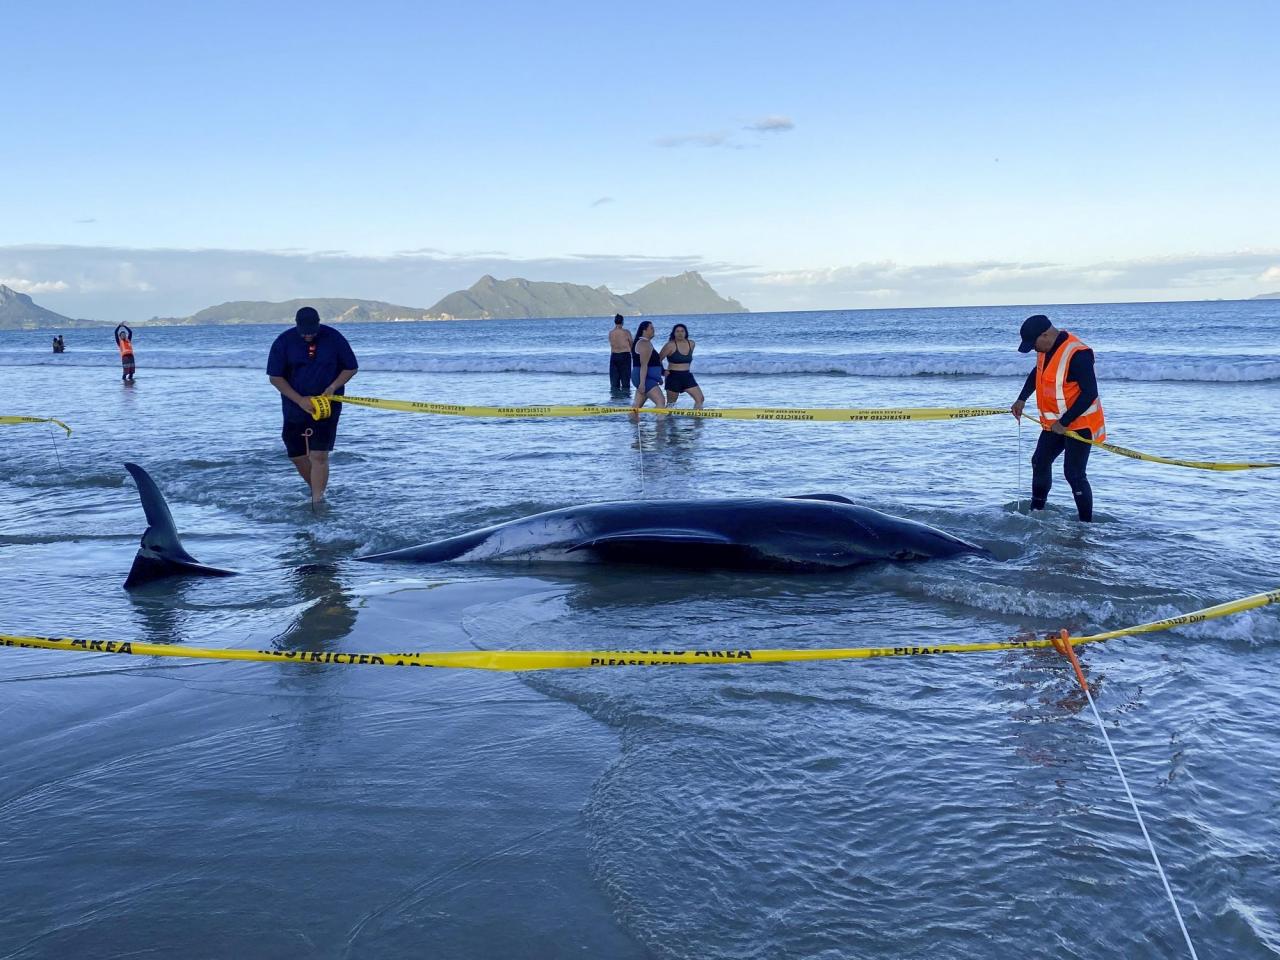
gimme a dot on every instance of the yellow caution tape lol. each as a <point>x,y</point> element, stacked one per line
<point>36,420</point>
<point>321,408</point>
<point>522,660</point>
<point>834,414</point>
<point>1152,458</point>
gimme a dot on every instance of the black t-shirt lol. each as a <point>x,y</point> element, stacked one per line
<point>309,371</point>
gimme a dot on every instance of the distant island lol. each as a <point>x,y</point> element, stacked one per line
<point>492,299</point>
<point>488,299</point>
<point>331,310</point>
<point>1266,296</point>
<point>19,312</point>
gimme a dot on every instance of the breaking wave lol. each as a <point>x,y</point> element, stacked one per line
<point>1212,368</point>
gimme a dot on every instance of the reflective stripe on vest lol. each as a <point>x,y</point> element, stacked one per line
<point>1055,393</point>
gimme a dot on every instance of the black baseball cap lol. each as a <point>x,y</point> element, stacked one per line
<point>308,321</point>
<point>1032,327</point>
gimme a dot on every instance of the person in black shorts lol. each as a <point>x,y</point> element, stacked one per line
<point>310,360</point>
<point>678,352</point>
<point>619,357</point>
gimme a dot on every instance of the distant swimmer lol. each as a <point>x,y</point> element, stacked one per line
<point>59,345</point>
<point>678,352</point>
<point>124,343</point>
<point>310,360</point>
<point>646,368</point>
<point>1067,394</point>
<point>619,357</point>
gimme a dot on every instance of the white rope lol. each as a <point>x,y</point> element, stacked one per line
<point>1155,858</point>
<point>53,438</point>
<point>640,449</point>
<point>1017,501</point>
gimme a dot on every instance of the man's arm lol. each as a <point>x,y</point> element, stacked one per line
<point>346,357</point>
<point>338,381</point>
<point>281,384</point>
<point>1028,388</point>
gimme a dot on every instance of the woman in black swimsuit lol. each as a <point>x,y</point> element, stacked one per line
<point>678,352</point>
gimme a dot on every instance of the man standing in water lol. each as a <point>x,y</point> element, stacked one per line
<point>619,358</point>
<point>310,360</point>
<point>124,343</point>
<point>1067,395</point>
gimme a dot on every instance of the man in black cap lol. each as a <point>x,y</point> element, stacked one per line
<point>619,358</point>
<point>310,360</point>
<point>1067,394</point>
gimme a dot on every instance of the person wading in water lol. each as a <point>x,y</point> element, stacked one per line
<point>619,357</point>
<point>310,360</point>
<point>1067,394</point>
<point>124,343</point>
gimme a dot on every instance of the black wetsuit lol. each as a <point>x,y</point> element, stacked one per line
<point>1051,445</point>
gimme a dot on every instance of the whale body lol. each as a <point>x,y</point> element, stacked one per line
<point>810,533</point>
<point>816,532</point>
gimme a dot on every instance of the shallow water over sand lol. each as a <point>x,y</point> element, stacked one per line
<point>957,807</point>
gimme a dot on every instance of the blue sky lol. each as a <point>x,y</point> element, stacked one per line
<point>810,155</point>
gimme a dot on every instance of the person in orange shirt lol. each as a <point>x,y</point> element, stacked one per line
<point>1067,394</point>
<point>124,343</point>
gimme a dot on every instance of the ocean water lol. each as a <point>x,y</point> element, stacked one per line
<point>906,808</point>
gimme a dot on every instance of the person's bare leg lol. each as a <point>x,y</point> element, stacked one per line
<point>696,393</point>
<point>672,398</point>
<point>656,396</point>
<point>319,474</point>
<point>304,468</point>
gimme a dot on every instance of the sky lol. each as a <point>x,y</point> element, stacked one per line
<point>158,158</point>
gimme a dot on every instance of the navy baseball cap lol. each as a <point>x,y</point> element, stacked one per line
<point>308,321</point>
<point>1032,327</point>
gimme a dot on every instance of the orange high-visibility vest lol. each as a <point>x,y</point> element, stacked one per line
<point>1055,393</point>
<point>126,347</point>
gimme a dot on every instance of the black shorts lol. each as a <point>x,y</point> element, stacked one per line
<point>679,381</point>
<point>323,434</point>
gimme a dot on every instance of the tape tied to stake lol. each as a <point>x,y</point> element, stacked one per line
<point>36,420</point>
<point>525,660</point>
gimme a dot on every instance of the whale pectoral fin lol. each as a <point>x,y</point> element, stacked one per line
<point>641,538</point>
<point>829,497</point>
<point>161,553</point>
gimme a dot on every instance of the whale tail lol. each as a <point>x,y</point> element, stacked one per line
<point>161,553</point>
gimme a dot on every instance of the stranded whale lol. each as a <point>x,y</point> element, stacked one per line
<point>810,533</point>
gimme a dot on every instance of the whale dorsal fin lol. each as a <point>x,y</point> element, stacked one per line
<point>161,553</point>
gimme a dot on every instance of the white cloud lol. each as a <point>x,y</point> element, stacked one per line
<point>771,124</point>
<point>34,286</point>
<point>1193,275</point>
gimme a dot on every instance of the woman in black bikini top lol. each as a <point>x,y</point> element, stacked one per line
<point>678,352</point>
